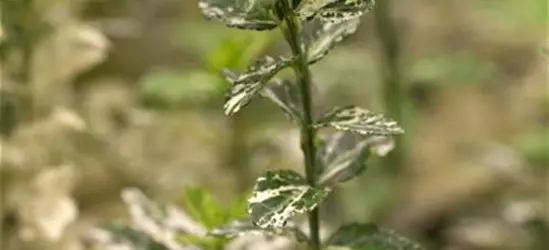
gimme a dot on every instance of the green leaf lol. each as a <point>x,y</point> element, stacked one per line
<point>286,95</point>
<point>358,120</point>
<point>237,49</point>
<point>246,226</point>
<point>280,194</point>
<point>341,157</point>
<point>202,206</point>
<point>242,14</point>
<point>321,36</point>
<point>248,84</point>
<point>334,10</point>
<point>173,88</point>
<point>357,236</point>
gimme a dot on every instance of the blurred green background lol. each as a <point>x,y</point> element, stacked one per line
<point>100,95</point>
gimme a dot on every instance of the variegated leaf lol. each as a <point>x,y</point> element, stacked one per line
<point>242,14</point>
<point>246,226</point>
<point>286,95</point>
<point>321,36</point>
<point>343,10</point>
<point>279,195</point>
<point>360,121</point>
<point>341,157</point>
<point>308,8</point>
<point>357,236</point>
<point>158,221</point>
<point>248,84</point>
<point>334,10</point>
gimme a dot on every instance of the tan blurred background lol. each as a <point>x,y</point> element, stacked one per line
<point>99,95</point>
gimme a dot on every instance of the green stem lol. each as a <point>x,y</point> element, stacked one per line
<point>393,92</point>
<point>292,32</point>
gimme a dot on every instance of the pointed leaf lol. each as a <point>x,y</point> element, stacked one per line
<point>286,95</point>
<point>360,121</point>
<point>321,36</point>
<point>242,14</point>
<point>248,84</point>
<point>369,237</point>
<point>280,194</point>
<point>246,226</point>
<point>203,207</point>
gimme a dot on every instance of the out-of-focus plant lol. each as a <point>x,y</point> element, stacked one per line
<point>393,92</point>
<point>211,213</point>
<point>43,44</point>
<point>158,226</point>
<point>171,87</point>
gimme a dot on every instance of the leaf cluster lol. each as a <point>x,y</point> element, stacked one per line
<point>312,28</point>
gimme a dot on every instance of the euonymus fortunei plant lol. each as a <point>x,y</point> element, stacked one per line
<point>311,28</point>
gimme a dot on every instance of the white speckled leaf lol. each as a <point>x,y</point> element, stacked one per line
<point>308,8</point>
<point>242,14</point>
<point>334,10</point>
<point>321,36</point>
<point>343,10</point>
<point>357,236</point>
<point>279,195</point>
<point>160,222</point>
<point>248,84</point>
<point>358,120</point>
<point>286,95</point>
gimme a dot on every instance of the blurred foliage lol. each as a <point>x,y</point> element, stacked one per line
<point>216,50</point>
<point>460,68</point>
<point>202,206</point>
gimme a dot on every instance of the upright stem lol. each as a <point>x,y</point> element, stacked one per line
<point>393,93</point>
<point>292,31</point>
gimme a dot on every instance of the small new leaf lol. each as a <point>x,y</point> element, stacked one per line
<point>286,95</point>
<point>358,120</point>
<point>369,237</point>
<point>246,226</point>
<point>242,14</point>
<point>342,157</point>
<point>280,194</point>
<point>248,84</point>
<point>321,36</point>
